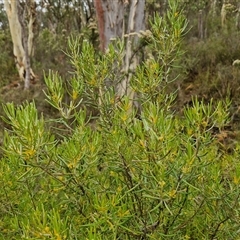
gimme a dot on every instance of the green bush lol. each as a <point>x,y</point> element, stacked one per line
<point>8,69</point>
<point>48,55</point>
<point>154,175</point>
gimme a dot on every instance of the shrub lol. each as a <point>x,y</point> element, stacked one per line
<point>8,68</point>
<point>155,175</point>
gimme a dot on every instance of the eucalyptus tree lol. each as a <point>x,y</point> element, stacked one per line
<point>124,20</point>
<point>22,19</point>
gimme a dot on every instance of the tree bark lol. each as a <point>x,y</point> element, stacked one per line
<point>223,14</point>
<point>200,24</point>
<point>111,17</point>
<point>25,47</point>
<point>213,7</point>
<point>135,25</point>
<point>22,36</point>
<point>238,17</point>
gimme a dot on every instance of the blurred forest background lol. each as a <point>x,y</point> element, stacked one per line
<point>211,46</point>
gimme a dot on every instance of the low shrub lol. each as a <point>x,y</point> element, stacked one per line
<point>149,174</point>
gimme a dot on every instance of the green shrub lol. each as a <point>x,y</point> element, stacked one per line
<point>8,68</point>
<point>155,175</point>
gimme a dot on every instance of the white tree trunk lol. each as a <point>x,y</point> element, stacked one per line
<point>214,7</point>
<point>111,15</point>
<point>238,17</point>
<point>135,25</point>
<point>223,14</point>
<point>20,35</point>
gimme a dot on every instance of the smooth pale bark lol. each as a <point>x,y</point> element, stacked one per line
<point>200,24</point>
<point>135,25</point>
<point>31,8</point>
<point>214,7</point>
<point>22,36</point>
<point>15,30</point>
<point>238,17</point>
<point>26,68</point>
<point>111,16</point>
<point>223,14</point>
<point>227,9</point>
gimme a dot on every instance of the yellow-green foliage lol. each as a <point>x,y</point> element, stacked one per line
<point>154,175</point>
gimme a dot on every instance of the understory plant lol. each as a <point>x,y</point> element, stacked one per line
<point>123,173</point>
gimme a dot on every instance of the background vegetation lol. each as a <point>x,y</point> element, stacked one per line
<point>72,168</point>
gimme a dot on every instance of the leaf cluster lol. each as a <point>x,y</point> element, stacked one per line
<point>123,175</point>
